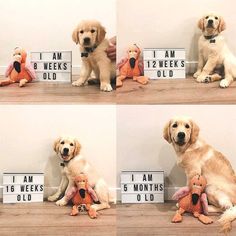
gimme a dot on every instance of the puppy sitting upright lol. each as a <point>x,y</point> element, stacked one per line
<point>214,54</point>
<point>91,37</point>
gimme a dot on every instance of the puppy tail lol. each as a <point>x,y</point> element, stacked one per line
<point>226,219</point>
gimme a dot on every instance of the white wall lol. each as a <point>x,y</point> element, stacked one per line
<point>28,133</point>
<point>169,23</point>
<point>39,25</point>
<point>140,143</point>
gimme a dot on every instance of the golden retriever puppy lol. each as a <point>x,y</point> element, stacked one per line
<point>90,35</point>
<point>213,52</point>
<point>195,156</point>
<point>73,164</point>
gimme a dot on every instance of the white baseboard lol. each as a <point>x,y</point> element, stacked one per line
<point>51,190</point>
<point>75,70</point>
<point>191,67</point>
<point>169,192</point>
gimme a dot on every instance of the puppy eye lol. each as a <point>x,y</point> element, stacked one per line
<point>62,142</point>
<point>81,31</point>
<point>194,184</point>
<point>216,18</point>
<point>93,31</point>
<point>174,125</point>
<point>71,144</point>
<point>206,17</point>
<point>136,51</point>
<point>201,185</point>
<point>130,51</point>
<point>187,126</point>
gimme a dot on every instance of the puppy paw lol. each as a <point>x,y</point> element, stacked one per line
<point>61,202</point>
<point>207,79</point>
<point>105,87</point>
<point>52,198</point>
<point>196,74</point>
<point>78,83</point>
<point>22,82</point>
<point>224,83</point>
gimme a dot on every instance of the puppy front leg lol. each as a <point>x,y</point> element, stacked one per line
<point>60,190</point>
<point>200,66</point>
<point>105,75</point>
<point>84,75</point>
<point>64,200</point>
<point>207,70</point>
<point>224,83</point>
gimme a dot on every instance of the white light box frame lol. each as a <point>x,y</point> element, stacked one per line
<point>52,66</point>
<point>164,63</point>
<point>23,187</point>
<point>142,186</point>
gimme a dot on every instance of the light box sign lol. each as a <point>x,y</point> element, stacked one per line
<point>55,66</point>
<point>142,186</point>
<point>23,187</point>
<point>164,63</point>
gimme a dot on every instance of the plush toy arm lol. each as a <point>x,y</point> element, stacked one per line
<point>71,193</point>
<point>93,194</point>
<point>29,68</point>
<point>182,192</point>
<point>121,63</point>
<point>9,69</point>
<point>204,203</point>
<point>141,67</point>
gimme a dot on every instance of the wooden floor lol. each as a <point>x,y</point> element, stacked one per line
<point>55,93</point>
<point>48,219</point>
<point>155,219</point>
<point>182,91</point>
<point>178,91</point>
<point>121,220</point>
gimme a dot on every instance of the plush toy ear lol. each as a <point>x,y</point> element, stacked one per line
<point>222,25</point>
<point>56,145</point>
<point>77,147</point>
<point>75,36</point>
<point>194,132</point>
<point>201,24</point>
<point>166,132</point>
<point>101,34</point>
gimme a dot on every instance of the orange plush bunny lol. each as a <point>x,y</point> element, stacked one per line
<point>131,67</point>
<point>192,200</point>
<point>82,194</point>
<point>19,70</point>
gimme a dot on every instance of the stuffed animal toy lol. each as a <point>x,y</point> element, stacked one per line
<point>82,194</point>
<point>193,200</point>
<point>19,71</point>
<point>131,67</point>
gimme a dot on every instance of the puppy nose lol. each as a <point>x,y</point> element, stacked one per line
<point>181,135</point>
<point>86,40</point>
<point>210,22</point>
<point>65,150</point>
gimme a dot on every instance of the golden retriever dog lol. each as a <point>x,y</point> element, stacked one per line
<point>90,35</point>
<point>195,156</point>
<point>73,164</point>
<point>214,54</point>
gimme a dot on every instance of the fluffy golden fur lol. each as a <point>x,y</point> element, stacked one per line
<point>214,54</point>
<point>195,156</point>
<point>68,150</point>
<point>91,34</point>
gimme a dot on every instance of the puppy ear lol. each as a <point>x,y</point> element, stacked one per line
<point>56,145</point>
<point>201,24</point>
<point>77,148</point>
<point>166,132</point>
<point>75,36</point>
<point>101,34</point>
<point>194,132</point>
<point>222,25</point>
